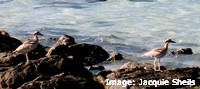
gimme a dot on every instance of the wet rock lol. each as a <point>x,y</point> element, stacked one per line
<point>48,73</point>
<point>4,33</point>
<point>117,56</point>
<point>64,41</point>
<point>47,49</point>
<point>181,51</point>
<point>137,74</point>
<point>8,43</point>
<point>89,54</point>
<point>54,39</point>
<point>15,76</point>
<point>9,59</point>
<point>63,82</point>
<point>37,53</point>
<point>101,76</point>
<point>104,73</point>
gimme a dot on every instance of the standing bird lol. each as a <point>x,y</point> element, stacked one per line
<point>28,46</point>
<point>158,53</point>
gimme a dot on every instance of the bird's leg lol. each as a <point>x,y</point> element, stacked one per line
<point>155,61</point>
<point>159,64</point>
<point>27,59</point>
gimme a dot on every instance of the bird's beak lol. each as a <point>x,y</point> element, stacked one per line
<point>172,41</point>
<point>38,33</point>
<point>41,34</point>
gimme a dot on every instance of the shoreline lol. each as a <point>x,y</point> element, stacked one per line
<point>63,65</point>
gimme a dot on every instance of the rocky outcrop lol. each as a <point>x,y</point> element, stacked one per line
<point>181,51</point>
<point>8,43</point>
<point>89,54</point>
<point>139,73</point>
<point>64,68</point>
<point>4,33</point>
<point>117,56</point>
<point>50,73</point>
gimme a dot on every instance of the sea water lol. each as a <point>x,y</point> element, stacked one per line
<point>131,27</point>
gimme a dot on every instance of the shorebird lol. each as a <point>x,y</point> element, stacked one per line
<point>158,53</point>
<point>28,46</point>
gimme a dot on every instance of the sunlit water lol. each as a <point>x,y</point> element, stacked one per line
<point>129,27</point>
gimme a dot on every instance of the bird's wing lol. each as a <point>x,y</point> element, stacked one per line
<point>158,50</point>
<point>25,47</point>
<point>29,42</point>
<point>153,53</point>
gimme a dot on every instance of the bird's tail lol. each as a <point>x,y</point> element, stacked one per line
<point>142,55</point>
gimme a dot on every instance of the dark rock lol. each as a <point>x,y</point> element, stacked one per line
<point>16,76</point>
<point>89,54</point>
<point>54,39</point>
<point>58,50</point>
<point>63,82</point>
<point>37,53</point>
<point>49,73</point>
<point>9,59</point>
<point>64,41</point>
<point>181,51</point>
<point>8,43</point>
<point>102,76</point>
<point>104,73</point>
<point>47,48</point>
<point>116,56</point>
<point>4,33</point>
